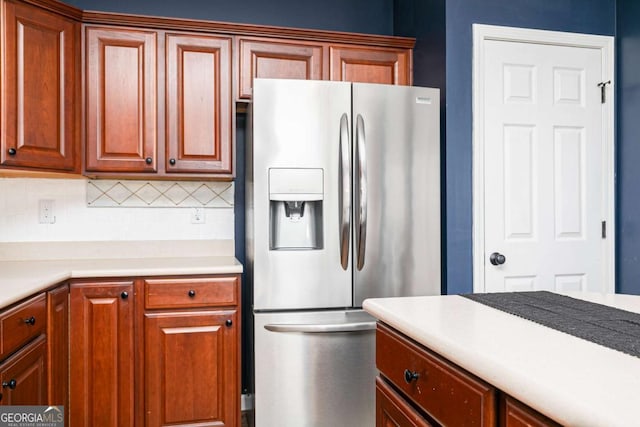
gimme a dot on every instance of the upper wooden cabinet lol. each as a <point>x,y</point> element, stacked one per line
<point>41,92</point>
<point>273,58</point>
<point>139,79</point>
<point>198,107</point>
<point>299,59</point>
<point>121,129</point>
<point>370,65</point>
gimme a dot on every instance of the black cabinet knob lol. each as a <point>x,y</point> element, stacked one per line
<point>229,322</point>
<point>410,376</point>
<point>12,151</point>
<point>497,258</point>
<point>192,293</point>
<point>10,384</point>
<point>172,162</point>
<point>148,160</point>
<point>30,321</point>
<point>124,295</point>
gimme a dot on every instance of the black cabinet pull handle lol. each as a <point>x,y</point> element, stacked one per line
<point>410,376</point>
<point>192,293</point>
<point>229,322</point>
<point>172,162</point>
<point>124,295</point>
<point>30,321</point>
<point>12,151</point>
<point>12,384</point>
<point>148,160</point>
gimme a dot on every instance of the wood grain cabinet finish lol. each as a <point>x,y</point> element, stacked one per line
<point>370,64</point>
<point>58,347</point>
<point>392,410</point>
<point>191,368</point>
<point>516,414</point>
<point>192,351</point>
<point>41,90</point>
<point>448,394</point>
<point>24,375</point>
<point>277,59</point>
<point>102,354</point>
<point>198,107</point>
<point>121,124</point>
<point>22,323</point>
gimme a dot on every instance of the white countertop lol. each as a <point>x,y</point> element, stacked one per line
<point>571,380</point>
<point>20,279</point>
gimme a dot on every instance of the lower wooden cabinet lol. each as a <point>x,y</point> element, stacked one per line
<point>191,368</point>
<point>418,387</point>
<point>58,348</point>
<point>23,375</point>
<point>155,352</point>
<point>393,410</point>
<point>102,354</point>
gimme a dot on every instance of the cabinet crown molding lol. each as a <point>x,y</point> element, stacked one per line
<point>235,29</point>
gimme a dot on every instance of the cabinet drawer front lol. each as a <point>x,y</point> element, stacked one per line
<point>392,409</point>
<point>22,323</point>
<point>184,293</point>
<point>449,394</point>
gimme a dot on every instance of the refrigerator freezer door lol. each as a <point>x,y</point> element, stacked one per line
<point>396,191</point>
<point>315,369</point>
<point>301,124</point>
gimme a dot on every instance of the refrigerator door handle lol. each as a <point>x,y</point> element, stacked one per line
<point>322,328</point>
<point>344,191</point>
<point>361,225</point>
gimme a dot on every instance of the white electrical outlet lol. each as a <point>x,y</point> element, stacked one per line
<point>197,216</point>
<point>46,212</point>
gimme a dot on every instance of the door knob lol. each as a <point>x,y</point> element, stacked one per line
<point>12,384</point>
<point>497,258</point>
<point>410,376</point>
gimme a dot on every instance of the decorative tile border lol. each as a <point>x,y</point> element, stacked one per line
<point>159,194</point>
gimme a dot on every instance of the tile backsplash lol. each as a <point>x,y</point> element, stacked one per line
<point>98,210</point>
<point>165,194</point>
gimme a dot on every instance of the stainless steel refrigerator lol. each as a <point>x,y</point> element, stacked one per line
<point>343,204</point>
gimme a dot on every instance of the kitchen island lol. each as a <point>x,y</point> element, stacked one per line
<point>571,381</point>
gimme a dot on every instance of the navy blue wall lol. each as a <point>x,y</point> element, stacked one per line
<point>628,147</point>
<point>364,16</point>
<point>585,16</point>
<point>425,21</point>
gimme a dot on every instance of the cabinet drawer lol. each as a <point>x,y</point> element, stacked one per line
<point>392,409</point>
<point>22,323</point>
<point>185,293</point>
<point>447,393</point>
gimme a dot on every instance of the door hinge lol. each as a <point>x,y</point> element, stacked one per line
<point>604,229</point>
<point>603,91</point>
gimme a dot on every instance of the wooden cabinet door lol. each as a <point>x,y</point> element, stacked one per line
<point>198,110</point>
<point>120,79</point>
<point>23,376</point>
<point>191,368</point>
<point>102,354</point>
<point>516,414</point>
<point>277,59</point>
<point>41,91</point>
<point>393,410</point>
<point>58,348</point>
<point>370,64</point>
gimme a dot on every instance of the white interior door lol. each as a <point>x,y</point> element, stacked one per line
<point>545,163</point>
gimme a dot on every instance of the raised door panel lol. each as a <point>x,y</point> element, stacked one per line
<point>121,124</point>
<point>277,59</point>
<point>23,376</point>
<point>370,65</point>
<point>42,89</point>
<point>191,368</point>
<point>58,347</point>
<point>393,411</point>
<point>517,414</point>
<point>102,354</point>
<point>199,137</point>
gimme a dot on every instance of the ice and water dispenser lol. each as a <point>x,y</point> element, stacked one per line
<point>295,208</point>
